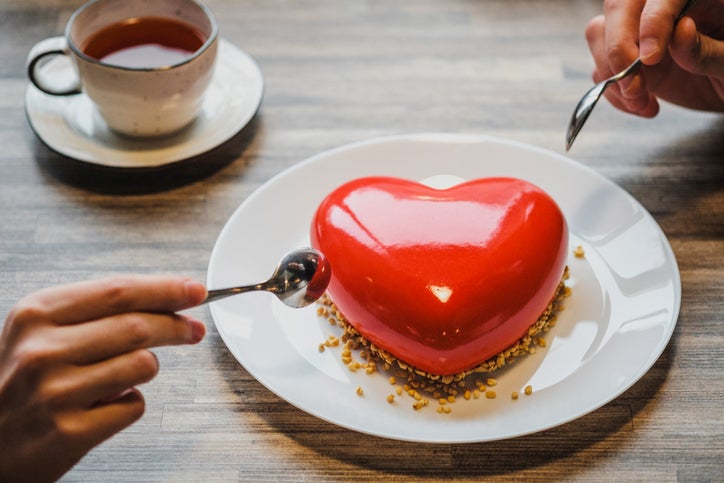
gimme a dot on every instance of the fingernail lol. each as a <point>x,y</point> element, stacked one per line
<point>648,47</point>
<point>194,291</point>
<point>198,331</point>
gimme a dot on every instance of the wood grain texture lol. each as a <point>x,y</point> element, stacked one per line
<point>339,71</point>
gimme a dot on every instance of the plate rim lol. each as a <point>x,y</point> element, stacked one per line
<point>458,138</point>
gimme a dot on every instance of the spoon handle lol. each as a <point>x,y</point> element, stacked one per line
<point>228,292</point>
<point>626,72</point>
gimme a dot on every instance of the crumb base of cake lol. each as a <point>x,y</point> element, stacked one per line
<point>448,383</point>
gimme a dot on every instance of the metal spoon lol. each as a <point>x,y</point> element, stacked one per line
<point>300,278</point>
<point>589,100</point>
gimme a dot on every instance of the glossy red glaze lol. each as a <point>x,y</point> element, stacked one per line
<point>441,279</point>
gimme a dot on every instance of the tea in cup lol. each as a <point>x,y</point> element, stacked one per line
<point>145,65</point>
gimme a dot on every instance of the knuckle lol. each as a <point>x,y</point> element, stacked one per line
<point>69,428</point>
<point>54,394</point>
<point>618,55</point>
<point>27,311</point>
<point>594,28</point>
<point>33,356</point>
<point>118,292</point>
<point>137,329</point>
<point>656,17</point>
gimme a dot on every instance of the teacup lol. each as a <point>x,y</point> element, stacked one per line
<point>145,64</point>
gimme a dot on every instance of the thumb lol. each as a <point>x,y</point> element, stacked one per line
<point>695,52</point>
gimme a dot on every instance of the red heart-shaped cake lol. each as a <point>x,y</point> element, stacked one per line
<point>442,280</point>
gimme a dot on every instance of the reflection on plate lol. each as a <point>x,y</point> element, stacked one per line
<point>624,307</point>
<point>72,126</point>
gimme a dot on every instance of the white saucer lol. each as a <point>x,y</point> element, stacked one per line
<point>72,126</point>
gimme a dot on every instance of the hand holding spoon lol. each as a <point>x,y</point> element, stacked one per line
<point>300,278</point>
<point>588,101</point>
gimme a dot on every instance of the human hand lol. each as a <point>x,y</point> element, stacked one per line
<point>70,357</point>
<point>683,62</point>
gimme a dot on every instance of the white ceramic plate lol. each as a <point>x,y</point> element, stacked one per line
<point>72,126</point>
<point>624,307</point>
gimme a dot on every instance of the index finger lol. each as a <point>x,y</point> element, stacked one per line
<point>90,300</point>
<point>622,32</point>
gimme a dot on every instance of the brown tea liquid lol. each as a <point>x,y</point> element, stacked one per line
<point>144,42</point>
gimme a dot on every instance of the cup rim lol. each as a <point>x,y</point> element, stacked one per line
<point>206,45</point>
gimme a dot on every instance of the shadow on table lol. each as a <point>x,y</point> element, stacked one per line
<point>136,181</point>
<point>600,435</point>
<point>679,173</point>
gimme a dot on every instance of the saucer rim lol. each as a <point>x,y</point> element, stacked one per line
<point>42,111</point>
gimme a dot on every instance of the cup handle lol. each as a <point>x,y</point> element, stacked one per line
<point>46,48</point>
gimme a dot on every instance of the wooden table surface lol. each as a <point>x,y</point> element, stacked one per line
<point>340,71</point>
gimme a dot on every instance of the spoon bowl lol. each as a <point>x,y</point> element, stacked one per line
<point>300,278</point>
<point>589,100</point>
